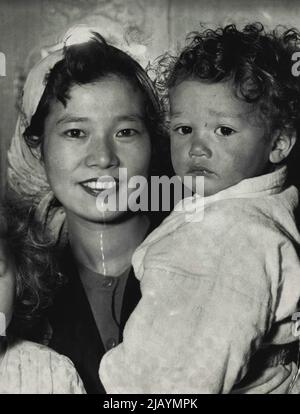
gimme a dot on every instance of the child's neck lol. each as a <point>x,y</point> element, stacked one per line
<point>106,248</point>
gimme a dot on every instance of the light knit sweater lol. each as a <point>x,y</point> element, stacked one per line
<point>30,368</point>
<point>216,287</point>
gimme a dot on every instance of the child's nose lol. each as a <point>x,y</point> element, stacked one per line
<point>101,154</point>
<point>200,146</point>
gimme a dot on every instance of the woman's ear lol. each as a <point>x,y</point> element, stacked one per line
<point>282,146</point>
<point>38,152</point>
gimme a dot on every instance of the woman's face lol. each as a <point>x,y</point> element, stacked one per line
<point>7,288</point>
<point>100,130</point>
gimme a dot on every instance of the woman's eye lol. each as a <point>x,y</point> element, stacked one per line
<point>224,131</point>
<point>75,133</point>
<point>127,132</point>
<point>184,130</point>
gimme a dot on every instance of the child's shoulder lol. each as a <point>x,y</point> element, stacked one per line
<point>272,213</point>
<point>230,223</point>
<point>230,217</point>
<point>29,367</point>
<point>255,227</point>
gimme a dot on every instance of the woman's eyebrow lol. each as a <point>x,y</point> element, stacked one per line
<point>68,118</point>
<point>175,114</point>
<point>119,118</point>
<point>130,117</point>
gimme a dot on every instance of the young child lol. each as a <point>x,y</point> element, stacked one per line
<point>27,367</point>
<point>219,294</point>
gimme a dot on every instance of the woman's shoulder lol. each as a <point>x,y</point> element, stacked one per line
<point>29,367</point>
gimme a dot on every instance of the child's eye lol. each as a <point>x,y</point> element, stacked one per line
<point>75,133</point>
<point>126,132</point>
<point>224,131</point>
<point>184,130</point>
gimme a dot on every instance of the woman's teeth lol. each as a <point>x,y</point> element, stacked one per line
<point>100,185</point>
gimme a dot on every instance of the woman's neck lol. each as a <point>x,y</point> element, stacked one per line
<point>106,248</point>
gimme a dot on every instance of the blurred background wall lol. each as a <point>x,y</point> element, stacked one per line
<point>27,27</point>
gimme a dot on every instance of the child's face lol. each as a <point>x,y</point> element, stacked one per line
<point>216,135</point>
<point>7,287</point>
<point>100,130</point>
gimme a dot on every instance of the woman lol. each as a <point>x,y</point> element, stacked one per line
<point>89,109</point>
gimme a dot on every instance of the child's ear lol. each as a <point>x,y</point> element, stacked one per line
<point>282,146</point>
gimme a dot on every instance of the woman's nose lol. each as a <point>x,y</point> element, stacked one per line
<point>200,146</point>
<point>101,154</point>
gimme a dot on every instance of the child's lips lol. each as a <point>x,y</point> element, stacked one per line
<point>200,171</point>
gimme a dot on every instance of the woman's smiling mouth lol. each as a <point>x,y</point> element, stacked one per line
<point>95,186</point>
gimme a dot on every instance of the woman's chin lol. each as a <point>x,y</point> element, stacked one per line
<point>110,216</point>
<point>93,209</point>
<point>96,216</point>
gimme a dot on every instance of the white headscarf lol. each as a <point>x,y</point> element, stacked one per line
<point>26,174</point>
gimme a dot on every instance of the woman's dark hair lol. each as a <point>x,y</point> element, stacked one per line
<point>87,63</point>
<point>36,273</point>
<point>256,62</point>
<point>34,254</point>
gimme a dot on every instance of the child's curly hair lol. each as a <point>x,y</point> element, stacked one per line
<point>36,272</point>
<point>256,62</point>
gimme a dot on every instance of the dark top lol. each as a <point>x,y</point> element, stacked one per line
<point>74,330</point>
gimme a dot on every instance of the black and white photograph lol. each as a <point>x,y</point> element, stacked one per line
<point>149,199</point>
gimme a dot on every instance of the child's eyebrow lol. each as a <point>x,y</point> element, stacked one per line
<point>214,113</point>
<point>228,114</point>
